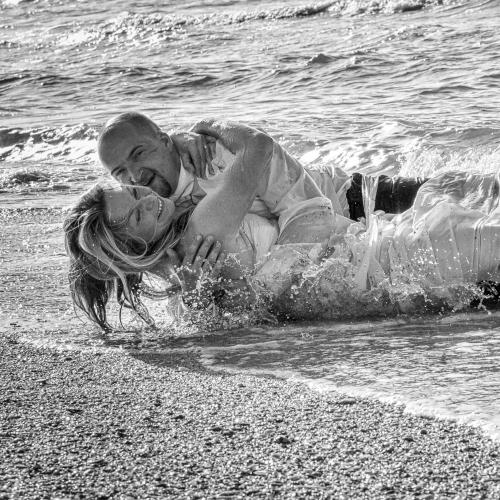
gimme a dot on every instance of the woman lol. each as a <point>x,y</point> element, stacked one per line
<point>113,235</point>
<point>449,237</point>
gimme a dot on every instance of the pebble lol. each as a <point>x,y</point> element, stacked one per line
<point>346,401</point>
<point>283,440</point>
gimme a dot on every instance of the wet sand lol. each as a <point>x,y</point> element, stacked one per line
<point>111,425</point>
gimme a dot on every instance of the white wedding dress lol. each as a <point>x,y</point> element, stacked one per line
<point>450,236</point>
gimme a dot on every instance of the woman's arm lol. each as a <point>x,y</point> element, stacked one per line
<point>221,212</point>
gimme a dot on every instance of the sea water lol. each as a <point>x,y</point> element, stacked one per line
<point>408,87</point>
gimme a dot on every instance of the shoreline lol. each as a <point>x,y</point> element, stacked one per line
<point>112,425</point>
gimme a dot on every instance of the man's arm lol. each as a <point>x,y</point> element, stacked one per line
<point>221,212</point>
<point>304,214</point>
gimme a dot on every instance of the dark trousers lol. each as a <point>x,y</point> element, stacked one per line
<point>394,194</point>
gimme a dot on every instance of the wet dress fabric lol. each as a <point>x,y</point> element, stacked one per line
<point>450,235</point>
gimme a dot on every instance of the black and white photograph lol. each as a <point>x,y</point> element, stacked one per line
<point>249,249</point>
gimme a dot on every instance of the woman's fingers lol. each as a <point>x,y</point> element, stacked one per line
<point>216,268</point>
<point>209,146</point>
<point>204,257</point>
<point>197,156</point>
<point>192,251</point>
<point>214,253</point>
<point>211,262</point>
<point>192,150</point>
<point>198,251</point>
<point>187,163</point>
<point>204,252</point>
<point>173,258</point>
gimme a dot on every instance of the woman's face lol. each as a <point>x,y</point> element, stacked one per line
<point>143,214</point>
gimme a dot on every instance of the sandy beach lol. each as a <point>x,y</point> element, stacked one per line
<point>99,425</point>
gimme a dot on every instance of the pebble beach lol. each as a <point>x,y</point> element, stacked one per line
<point>113,425</point>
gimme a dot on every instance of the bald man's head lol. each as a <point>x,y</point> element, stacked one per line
<point>135,151</point>
<point>136,120</point>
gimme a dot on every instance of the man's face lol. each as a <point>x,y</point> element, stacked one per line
<point>137,156</point>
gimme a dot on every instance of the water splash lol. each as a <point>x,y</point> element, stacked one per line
<point>299,286</point>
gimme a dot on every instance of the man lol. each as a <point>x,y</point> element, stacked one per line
<point>308,204</point>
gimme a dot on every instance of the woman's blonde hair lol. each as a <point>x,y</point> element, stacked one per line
<point>104,260</point>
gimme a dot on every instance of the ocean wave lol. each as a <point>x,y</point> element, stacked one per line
<point>8,44</point>
<point>156,28</point>
<point>75,143</point>
<point>403,148</point>
<point>37,179</point>
<point>13,3</point>
<point>357,7</point>
<point>40,78</point>
<point>281,13</point>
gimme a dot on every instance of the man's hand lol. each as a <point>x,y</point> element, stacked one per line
<point>196,151</point>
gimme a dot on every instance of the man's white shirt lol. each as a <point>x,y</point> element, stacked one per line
<point>291,190</point>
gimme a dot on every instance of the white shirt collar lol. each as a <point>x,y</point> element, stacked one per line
<point>184,186</point>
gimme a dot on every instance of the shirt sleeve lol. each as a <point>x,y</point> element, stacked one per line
<point>290,190</point>
<point>288,193</point>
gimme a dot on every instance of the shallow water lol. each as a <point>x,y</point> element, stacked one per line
<point>447,366</point>
<point>394,89</point>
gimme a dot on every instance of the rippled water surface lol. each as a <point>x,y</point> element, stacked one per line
<point>395,86</point>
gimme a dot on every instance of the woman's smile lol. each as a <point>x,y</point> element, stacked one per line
<point>160,207</point>
<point>142,214</point>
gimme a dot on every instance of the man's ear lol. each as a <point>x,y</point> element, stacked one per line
<point>165,138</point>
<point>168,142</point>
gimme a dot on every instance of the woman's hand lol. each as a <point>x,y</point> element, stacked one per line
<point>196,151</point>
<point>203,259</point>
